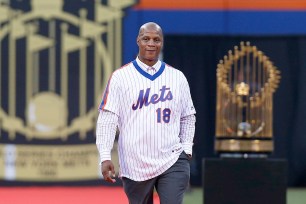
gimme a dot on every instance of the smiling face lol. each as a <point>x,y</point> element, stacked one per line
<point>150,43</point>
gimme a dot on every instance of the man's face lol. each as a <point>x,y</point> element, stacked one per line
<point>150,43</point>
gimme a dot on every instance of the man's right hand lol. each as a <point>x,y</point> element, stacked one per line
<point>108,171</point>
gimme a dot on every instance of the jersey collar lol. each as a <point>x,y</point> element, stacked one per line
<point>145,67</point>
<point>147,75</point>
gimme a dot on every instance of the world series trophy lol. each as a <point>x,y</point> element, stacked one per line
<point>246,81</point>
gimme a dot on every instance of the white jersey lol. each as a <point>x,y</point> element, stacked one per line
<point>149,108</point>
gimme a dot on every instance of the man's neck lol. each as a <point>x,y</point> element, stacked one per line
<point>148,62</point>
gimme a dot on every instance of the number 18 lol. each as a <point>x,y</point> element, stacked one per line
<point>163,115</point>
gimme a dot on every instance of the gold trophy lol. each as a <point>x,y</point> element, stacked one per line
<point>246,81</point>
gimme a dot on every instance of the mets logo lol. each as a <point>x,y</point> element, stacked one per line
<point>55,59</point>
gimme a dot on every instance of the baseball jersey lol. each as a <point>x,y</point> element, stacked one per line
<point>149,108</point>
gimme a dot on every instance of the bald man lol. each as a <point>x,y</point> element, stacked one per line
<point>150,103</point>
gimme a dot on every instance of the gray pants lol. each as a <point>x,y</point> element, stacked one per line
<point>170,186</point>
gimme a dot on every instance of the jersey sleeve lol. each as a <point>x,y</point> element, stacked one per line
<point>105,133</point>
<point>110,100</point>
<point>186,100</point>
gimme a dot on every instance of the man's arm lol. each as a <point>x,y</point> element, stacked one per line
<point>187,130</point>
<point>105,137</point>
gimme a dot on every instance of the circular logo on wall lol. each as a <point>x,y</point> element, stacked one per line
<point>56,57</point>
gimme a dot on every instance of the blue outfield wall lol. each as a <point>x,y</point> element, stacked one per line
<point>199,22</point>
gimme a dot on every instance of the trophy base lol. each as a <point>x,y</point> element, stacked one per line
<point>244,155</point>
<point>244,145</point>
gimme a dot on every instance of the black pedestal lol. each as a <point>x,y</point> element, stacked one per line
<point>244,181</point>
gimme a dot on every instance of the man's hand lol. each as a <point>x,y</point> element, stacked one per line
<point>108,171</point>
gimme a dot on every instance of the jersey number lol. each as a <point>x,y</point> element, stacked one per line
<point>163,115</point>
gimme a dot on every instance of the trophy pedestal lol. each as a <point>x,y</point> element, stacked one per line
<point>244,144</point>
<point>244,181</point>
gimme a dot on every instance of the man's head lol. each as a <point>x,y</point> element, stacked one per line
<point>150,42</point>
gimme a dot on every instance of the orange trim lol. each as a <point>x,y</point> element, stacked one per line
<point>105,95</point>
<point>223,4</point>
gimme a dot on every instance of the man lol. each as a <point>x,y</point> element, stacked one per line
<point>150,102</point>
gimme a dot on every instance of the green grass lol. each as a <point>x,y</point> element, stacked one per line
<point>294,196</point>
<point>194,196</point>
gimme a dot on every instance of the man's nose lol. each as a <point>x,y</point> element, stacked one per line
<point>151,42</point>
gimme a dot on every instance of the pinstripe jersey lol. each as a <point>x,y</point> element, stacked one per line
<point>149,108</point>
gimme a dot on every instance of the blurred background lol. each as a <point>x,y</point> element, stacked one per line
<point>57,55</point>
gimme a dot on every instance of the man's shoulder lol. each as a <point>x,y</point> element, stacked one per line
<point>173,69</point>
<point>126,66</point>
<point>123,69</point>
